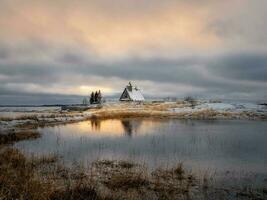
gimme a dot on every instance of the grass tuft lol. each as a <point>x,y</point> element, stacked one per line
<point>78,192</point>
<point>179,170</point>
<point>126,181</point>
<point>126,164</point>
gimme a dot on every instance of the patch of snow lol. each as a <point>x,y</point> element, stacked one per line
<point>182,110</point>
<point>250,107</point>
<point>216,106</point>
<point>29,109</point>
<point>232,107</point>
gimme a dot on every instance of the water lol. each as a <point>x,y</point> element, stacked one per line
<point>229,149</point>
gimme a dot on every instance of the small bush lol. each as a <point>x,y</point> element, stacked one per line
<point>78,192</point>
<point>126,181</point>
<point>179,171</point>
<point>126,164</point>
<point>191,101</point>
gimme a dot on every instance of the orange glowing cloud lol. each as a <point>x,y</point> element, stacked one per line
<point>107,33</point>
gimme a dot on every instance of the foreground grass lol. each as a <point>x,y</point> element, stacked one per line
<point>46,178</point>
<point>22,178</point>
<point>17,178</point>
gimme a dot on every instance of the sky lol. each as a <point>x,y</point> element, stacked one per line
<point>59,50</point>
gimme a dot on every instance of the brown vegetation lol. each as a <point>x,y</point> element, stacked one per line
<point>120,114</point>
<point>46,178</point>
<point>22,117</point>
<point>17,178</point>
<point>17,136</point>
<point>23,178</point>
<point>126,181</point>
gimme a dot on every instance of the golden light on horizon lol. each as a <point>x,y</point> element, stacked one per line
<point>85,89</point>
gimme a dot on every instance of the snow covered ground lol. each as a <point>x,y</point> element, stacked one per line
<point>27,111</point>
<point>231,107</point>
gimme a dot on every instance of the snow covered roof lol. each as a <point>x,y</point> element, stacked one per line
<point>131,93</point>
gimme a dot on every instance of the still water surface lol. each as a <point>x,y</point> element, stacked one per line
<point>236,148</point>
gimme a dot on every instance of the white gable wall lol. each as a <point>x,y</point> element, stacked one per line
<point>132,95</point>
<point>135,95</point>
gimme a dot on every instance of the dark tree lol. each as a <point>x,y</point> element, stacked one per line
<point>96,97</point>
<point>92,97</point>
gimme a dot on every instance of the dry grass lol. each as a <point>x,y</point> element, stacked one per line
<point>17,178</point>
<point>40,117</point>
<point>162,110</point>
<point>44,159</point>
<point>120,114</point>
<point>155,110</point>
<point>23,178</point>
<point>22,117</point>
<point>123,164</point>
<point>130,110</point>
<point>77,192</point>
<point>9,138</point>
<point>20,178</point>
<point>126,181</point>
<point>164,106</point>
<point>28,125</point>
<point>126,164</point>
<point>179,171</point>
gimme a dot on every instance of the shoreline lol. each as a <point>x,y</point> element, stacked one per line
<point>171,110</point>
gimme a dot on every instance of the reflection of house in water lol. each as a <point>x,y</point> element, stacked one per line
<point>126,127</point>
<point>130,126</point>
<point>95,125</point>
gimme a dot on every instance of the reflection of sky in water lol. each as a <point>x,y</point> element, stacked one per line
<point>202,145</point>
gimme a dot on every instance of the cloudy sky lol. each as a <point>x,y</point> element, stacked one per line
<point>51,51</point>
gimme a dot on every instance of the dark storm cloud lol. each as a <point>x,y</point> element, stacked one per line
<point>245,66</point>
<point>38,99</point>
<point>3,53</point>
<point>236,66</point>
<point>222,73</point>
